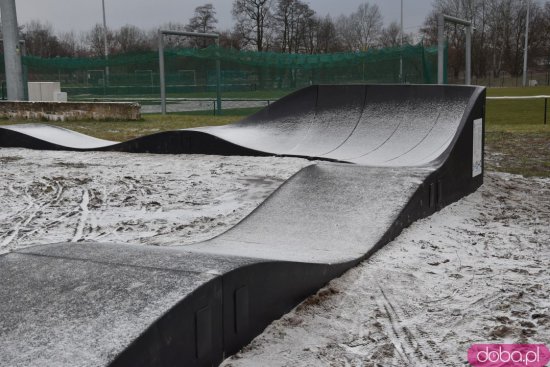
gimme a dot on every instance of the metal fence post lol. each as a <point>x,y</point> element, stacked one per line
<point>440,47</point>
<point>218,78</point>
<point>161,74</point>
<point>545,109</point>
<point>468,71</point>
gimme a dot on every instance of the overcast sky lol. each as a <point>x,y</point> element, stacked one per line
<point>80,15</point>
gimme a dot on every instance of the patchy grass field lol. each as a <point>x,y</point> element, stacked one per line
<point>513,112</point>
<point>519,149</point>
<point>516,137</point>
<point>120,131</point>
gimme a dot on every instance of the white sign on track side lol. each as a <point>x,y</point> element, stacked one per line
<point>477,164</point>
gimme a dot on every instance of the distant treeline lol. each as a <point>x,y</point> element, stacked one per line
<point>292,26</point>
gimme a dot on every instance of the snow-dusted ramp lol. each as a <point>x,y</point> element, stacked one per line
<point>412,149</point>
<point>381,125</point>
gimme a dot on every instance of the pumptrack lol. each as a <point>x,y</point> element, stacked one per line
<point>392,154</point>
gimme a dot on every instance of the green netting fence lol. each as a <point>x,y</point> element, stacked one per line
<point>245,74</point>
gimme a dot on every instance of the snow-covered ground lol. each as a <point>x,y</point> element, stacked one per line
<point>49,197</point>
<point>475,272</point>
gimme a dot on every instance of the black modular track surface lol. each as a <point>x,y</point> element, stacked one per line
<point>393,154</point>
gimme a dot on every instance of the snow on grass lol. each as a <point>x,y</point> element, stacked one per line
<point>475,272</point>
<point>148,199</point>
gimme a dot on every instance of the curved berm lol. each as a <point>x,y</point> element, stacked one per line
<point>393,154</point>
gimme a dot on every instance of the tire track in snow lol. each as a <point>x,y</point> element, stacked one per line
<point>416,337</point>
<point>38,206</point>
<point>401,345</point>
<point>83,216</point>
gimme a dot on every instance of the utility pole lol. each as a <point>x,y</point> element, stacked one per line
<point>401,59</point>
<point>12,51</point>
<point>105,43</point>
<point>526,47</point>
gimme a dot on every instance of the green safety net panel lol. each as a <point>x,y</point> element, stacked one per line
<point>192,72</point>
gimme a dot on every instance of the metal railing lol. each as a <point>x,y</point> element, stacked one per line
<point>200,104</point>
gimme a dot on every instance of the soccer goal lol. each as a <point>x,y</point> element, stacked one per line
<point>441,20</point>
<point>95,77</point>
<point>143,77</point>
<point>162,76</point>
<point>187,77</point>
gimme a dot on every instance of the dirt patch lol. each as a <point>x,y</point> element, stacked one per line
<point>522,153</point>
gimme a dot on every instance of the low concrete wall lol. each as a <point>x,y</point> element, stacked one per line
<point>70,111</point>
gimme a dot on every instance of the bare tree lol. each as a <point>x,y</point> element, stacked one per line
<point>498,39</point>
<point>291,18</point>
<point>204,21</point>
<point>94,41</point>
<point>130,38</point>
<point>252,18</point>
<point>71,44</point>
<point>391,36</point>
<point>327,37</point>
<point>361,29</point>
<point>346,32</point>
<point>175,41</point>
<point>544,56</point>
<point>284,14</point>
<point>40,40</point>
<point>309,28</point>
<point>232,39</point>
<point>300,30</point>
<point>306,28</point>
<point>368,21</point>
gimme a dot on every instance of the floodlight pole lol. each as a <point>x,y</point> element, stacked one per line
<point>401,58</point>
<point>162,73</point>
<point>218,79</point>
<point>440,47</point>
<point>468,73</point>
<point>12,51</point>
<point>526,48</point>
<point>105,43</point>
<point>442,19</point>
